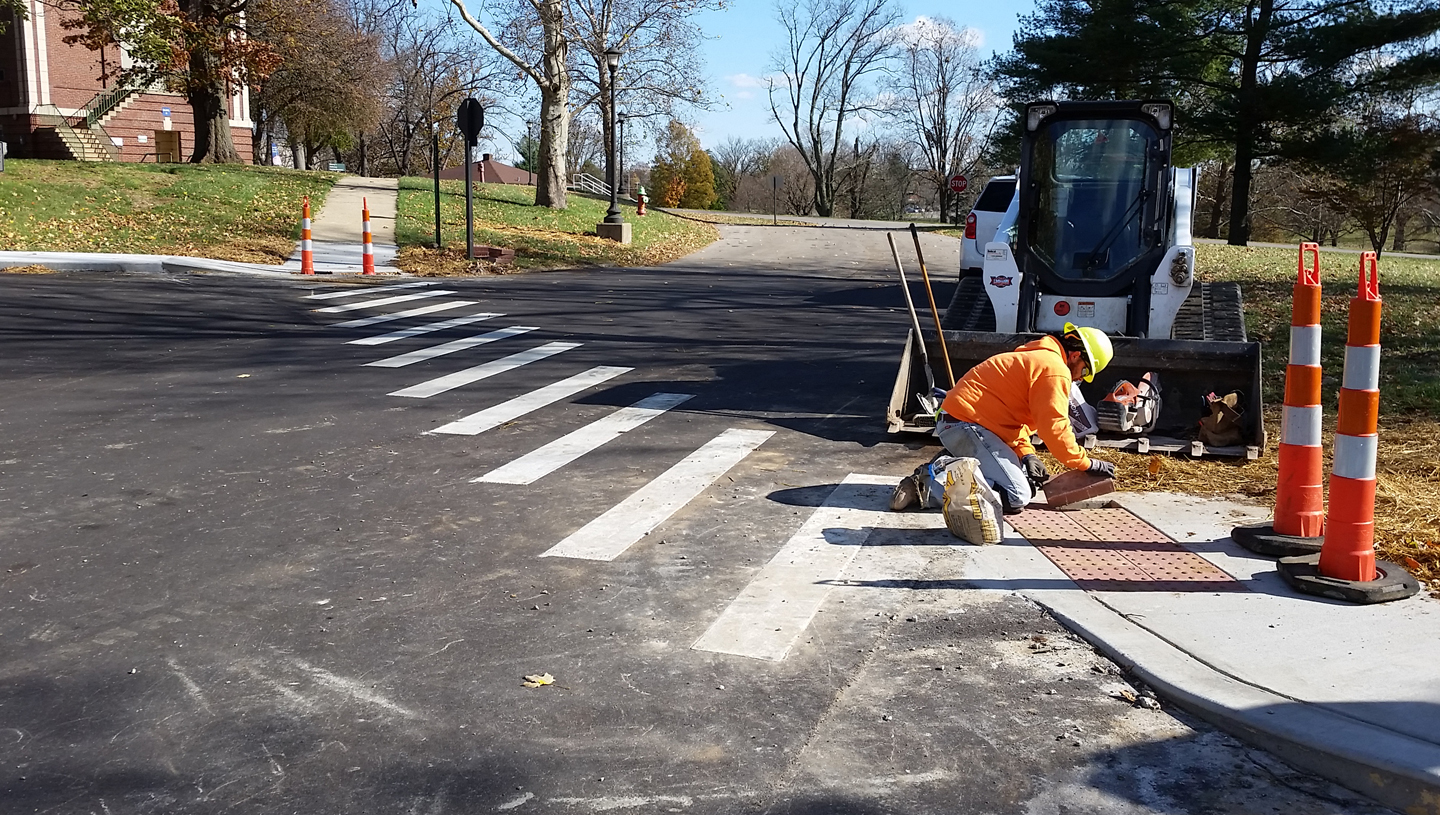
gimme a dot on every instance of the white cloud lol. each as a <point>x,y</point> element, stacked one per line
<point>910,32</point>
<point>744,95</point>
<point>746,81</point>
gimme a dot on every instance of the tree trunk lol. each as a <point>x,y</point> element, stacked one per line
<point>297,153</point>
<point>213,144</point>
<point>1401,221</point>
<point>554,108</point>
<point>1247,123</point>
<point>1217,209</point>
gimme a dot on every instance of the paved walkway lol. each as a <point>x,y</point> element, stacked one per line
<point>335,226</point>
<point>1349,692</point>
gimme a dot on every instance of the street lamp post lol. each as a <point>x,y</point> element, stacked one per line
<point>620,140</point>
<point>612,216</point>
<point>530,151</point>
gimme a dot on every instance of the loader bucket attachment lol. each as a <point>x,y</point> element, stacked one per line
<point>1188,370</point>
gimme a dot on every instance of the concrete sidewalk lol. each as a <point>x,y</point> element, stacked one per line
<point>1351,693</point>
<point>336,226</point>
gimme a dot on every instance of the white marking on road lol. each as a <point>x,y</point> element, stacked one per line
<point>509,805</point>
<point>609,802</point>
<point>417,330</point>
<point>400,315</point>
<point>519,406</point>
<point>778,604</point>
<point>450,347</point>
<point>331,295</point>
<point>609,535</point>
<point>354,689</point>
<point>383,301</point>
<point>449,382</point>
<point>190,686</point>
<point>533,466</point>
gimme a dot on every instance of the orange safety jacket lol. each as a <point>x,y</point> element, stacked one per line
<point>1018,393</point>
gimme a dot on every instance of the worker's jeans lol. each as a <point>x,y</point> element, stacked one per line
<point>998,463</point>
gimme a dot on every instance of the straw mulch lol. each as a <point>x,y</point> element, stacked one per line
<point>1407,490</point>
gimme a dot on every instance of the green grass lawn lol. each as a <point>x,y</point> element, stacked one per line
<point>1410,319</point>
<point>542,238</point>
<point>234,212</point>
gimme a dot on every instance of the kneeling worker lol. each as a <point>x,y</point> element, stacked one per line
<point>991,412</point>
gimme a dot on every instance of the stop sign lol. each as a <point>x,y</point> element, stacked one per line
<point>958,183</point>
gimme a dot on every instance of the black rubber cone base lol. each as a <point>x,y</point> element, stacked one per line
<point>1393,583</point>
<point>1262,539</point>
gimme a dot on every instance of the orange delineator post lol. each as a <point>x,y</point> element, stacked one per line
<point>1348,552</point>
<point>368,260</point>
<point>307,253</point>
<point>1300,494</point>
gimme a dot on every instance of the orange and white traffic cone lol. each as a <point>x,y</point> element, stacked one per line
<point>368,260</point>
<point>1345,568</point>
<point>307,251</point>
<point>1300,495</point>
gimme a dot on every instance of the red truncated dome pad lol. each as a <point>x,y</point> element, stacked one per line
<point>1113,550</point>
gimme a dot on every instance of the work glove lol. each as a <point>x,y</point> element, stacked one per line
<point>1099,467</point>
<point>1035,470</point>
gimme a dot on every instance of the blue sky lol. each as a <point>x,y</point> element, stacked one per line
<point>744,35</point>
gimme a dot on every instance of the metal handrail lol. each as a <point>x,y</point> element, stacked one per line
<point>62,125</point>
<point>106,101</point>
<point>589,183</point>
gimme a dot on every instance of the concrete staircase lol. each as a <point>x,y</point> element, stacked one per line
<point>56,138</point>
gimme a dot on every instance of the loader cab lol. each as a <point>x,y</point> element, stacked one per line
<point>1094,207</point>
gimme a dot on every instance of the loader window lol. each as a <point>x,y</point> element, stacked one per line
<point>1091,178</point>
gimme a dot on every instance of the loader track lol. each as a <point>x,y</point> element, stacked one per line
<point>969,309</point>
<point>1213,311</point>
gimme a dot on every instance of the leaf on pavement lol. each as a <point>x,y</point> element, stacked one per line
<point>538,680</point>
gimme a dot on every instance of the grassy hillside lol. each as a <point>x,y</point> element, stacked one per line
<point>229,212</point>
<point>542,238</point>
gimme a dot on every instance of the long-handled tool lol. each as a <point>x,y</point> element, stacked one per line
<point>927,399</point>
<point>944,349</point>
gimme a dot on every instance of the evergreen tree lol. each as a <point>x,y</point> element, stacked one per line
<point>1250,77</point>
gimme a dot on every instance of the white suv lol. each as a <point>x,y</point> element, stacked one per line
<point>983,220</point>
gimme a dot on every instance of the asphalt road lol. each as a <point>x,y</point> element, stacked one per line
<point>241,576</point>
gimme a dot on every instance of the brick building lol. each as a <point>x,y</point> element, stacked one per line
<point>489,171</point>
<point>54,105</point>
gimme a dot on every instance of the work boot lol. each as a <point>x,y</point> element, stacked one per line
<point>906,494</point>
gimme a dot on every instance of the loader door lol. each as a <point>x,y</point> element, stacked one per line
<point>1094,209</point>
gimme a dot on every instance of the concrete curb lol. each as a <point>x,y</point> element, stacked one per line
<point>1394,769</point>
<point>158,264</point>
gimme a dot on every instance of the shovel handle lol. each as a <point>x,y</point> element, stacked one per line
<point>940,332</point>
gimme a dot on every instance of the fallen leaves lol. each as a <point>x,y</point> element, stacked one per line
<point>538,680</point>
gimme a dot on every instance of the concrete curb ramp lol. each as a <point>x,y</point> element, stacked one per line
<point>1349,693</point>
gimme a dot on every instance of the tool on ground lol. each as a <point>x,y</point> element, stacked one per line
<point>1131,409</point>
<point>307,249</point>
<point>927,399</point>
<point>1073,486</point>
<point>1346,568</point>
<point>1299,522</point>
<point>925,274</point>
<point>367,261</point>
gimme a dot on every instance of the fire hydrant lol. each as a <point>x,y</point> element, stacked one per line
<point>641,197</point>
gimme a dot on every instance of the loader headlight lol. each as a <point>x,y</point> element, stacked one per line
<point>1160,111</point>
<point>1180,268</point>
<point>1035,114</point>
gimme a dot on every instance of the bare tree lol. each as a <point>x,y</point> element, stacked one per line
<point>660,71</point>
<point>550,71</point>
<point>832,47</point>
<point>946,101</point>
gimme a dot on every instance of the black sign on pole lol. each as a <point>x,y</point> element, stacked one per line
<point>470,118</point>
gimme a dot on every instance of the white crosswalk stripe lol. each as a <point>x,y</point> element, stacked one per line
<point>383,301</point>
<point>609,535</point>
<point>535,465</point>
<point>415,331</point>
<point>331,295</point>
<point>771,613</point>
<point>449,382</point>
<point>422,354</point>
<point>519,406</point>
<point>400,315</point>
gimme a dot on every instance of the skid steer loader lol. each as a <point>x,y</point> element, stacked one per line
<point>1098,234</point>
